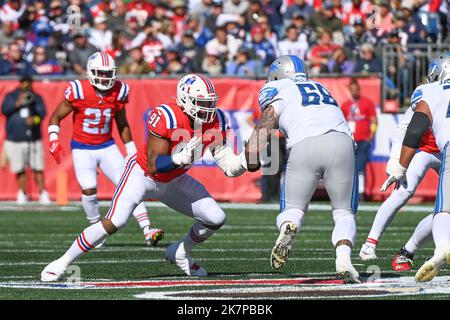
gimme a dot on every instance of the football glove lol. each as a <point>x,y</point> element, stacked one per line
<point>186,155</point>
<point>398,173</point>
<point>56,150</point>
<point>231,164</point>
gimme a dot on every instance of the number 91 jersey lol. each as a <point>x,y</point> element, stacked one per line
<point>304,108</point>
<point>93,112</point>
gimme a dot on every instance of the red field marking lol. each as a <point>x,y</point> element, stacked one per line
<point>174,283</point>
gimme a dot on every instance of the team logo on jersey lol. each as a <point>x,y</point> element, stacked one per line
<point>68,92</point>
<point>266,96</point>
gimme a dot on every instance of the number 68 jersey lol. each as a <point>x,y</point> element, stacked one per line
<point>304,108</point>
<point>93,112</point>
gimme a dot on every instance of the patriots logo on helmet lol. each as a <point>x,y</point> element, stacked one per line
<point>187,83</point>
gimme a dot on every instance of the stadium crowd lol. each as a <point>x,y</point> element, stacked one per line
<point>233,37</point>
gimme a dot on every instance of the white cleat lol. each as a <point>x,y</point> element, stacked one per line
<point>431,267</point>
<point>176,253</point>
<point>368,252</point>
<point>346,271</point>
<point>44,199</point>
<point>280,252</point>
<point>53,271</point>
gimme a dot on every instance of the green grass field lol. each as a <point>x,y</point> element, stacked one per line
<point>29,239</point>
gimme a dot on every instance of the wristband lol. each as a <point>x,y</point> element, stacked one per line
<point>130,147</point>
<point>373,127</point>
<point>164,163</point>
<point>53,128</point>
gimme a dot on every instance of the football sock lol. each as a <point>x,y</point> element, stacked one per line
<point>387,211</point>
<point>141,215</point>
<point>344,226</point>
<point>422,234</point>
<point>441,230</point>
<point>90,206</point>
<point>88,239</point>
<point>405,252</point>
<point>197,235</point>
<point>343,252</point>
<point>295,216</point>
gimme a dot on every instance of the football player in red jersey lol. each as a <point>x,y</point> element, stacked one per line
<point>427,157</point>
<point>95,103</point>
<point>178,135</point>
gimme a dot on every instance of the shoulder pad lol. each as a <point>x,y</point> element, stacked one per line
<point>169,115</point>
<point>266,96</point>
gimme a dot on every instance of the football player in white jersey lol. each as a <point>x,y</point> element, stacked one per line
<point>428,157</point>
<point>432,109</point>
<point>321,146</point>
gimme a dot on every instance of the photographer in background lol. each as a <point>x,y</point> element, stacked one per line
<point>24,111</point>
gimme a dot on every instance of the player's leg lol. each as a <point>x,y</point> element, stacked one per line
<point>341,182</point>
<point>111,164</point>
<point>302,176</point>
<point>398,198</point>
<point>403,259</point>
<point>441,225</point>
<point>130,191</point>
<point>188,196</point>
<point>85,166</point>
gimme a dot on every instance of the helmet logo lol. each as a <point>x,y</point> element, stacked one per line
<point>187,83</point>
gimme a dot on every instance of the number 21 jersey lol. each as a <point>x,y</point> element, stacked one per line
<point>93,112</point>
<point>304,108</point>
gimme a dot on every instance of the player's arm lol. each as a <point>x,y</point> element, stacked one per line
<point>125,131</point>
<point>62,111</point>
<point>159,159</point>
<point>260,138</point>
<point>420,122</point>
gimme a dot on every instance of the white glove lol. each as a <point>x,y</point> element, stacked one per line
<point>186,156</point>
<point>130,148</point>
<point>397,173</point>
<point>391,164</point>
<point>231,164</point>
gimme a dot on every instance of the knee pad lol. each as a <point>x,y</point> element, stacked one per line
<point>296,216</point>
<point>215,219</point>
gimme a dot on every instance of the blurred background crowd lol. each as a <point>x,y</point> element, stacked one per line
<point>233,37</point>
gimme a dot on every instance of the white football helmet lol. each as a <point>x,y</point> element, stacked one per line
<point>101,70</point>
<point>197,96</point>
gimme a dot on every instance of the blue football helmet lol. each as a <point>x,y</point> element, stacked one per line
<point>288,66</point>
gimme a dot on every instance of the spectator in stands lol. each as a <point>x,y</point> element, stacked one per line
<point>58,19</point>
<point>212,63</point>
<point>42,30</point>
<point>236,7</point>
<point>298,7</point>
<point>6,33</point>
<point>243,65</point>
<point>254,11</point>
<point>413,27</point>
<point>171,63</point>
<point>190,51</point>
<point>325,18</point>
<point>80,53</point>
<point>262,49</point>
<point>225,44</point>
<point>137,65</point>
<point>271,9</point>
<point>179,15</point>
<point>212,18</point>
<point>132,28</point>
<point>202,8</point>
<point>43,65</point>
<point>12,10</point>
<point>24,111</point>
<point>305,32</point>
<point>367,62</point>
<point>361,116</point>
<point>358,37</point>
<point>119,46</point>
<point>100,36</point>
<point>117,19</point>
<point>386,23</point>
<point>141,10</point>
<point>152,47</point>
<point>322,52</point>
<point>294,44</point>
<point>201,33</point>
<point>269,33</point>
<point>339,63</point>
<point>15,64</point>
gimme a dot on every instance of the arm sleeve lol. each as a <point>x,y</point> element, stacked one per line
<point>269,95</point>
